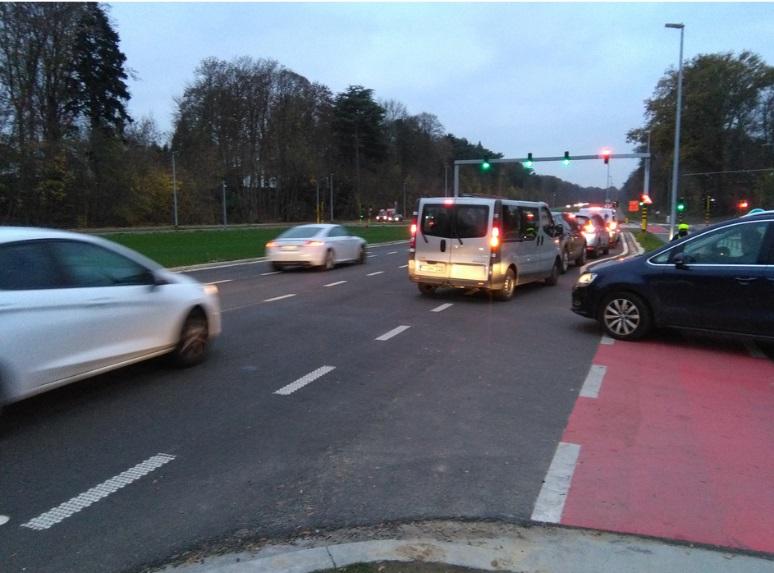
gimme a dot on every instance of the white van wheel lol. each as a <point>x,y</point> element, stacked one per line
<point>509,286</point>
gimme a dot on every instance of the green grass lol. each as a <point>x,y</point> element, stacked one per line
<point>180,248</point>
<point>649,241</point>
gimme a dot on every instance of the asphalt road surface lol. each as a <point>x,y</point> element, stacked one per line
<point>332,399</point>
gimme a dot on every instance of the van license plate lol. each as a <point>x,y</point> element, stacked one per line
<point>432,268</point>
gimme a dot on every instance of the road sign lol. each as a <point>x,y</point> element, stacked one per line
<point>634,206</point>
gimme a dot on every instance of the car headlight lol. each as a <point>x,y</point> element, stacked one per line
<point>586,279</point>
<point>211,290</point>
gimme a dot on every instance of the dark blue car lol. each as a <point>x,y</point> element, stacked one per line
<point>720,279</point>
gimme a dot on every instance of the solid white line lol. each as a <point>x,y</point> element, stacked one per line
<point>593,382</point>
<point>402,266</point>
<point>607,340</point>
<point>4,519</point>
<point>334,284</point>
<point>87,498</point>
<point>442,307</point>
<point>754,349</point>
<point>393,253</point>
<point>373,274</point>
<point>623,253</point>
<point>304,380</point>
<point>371,256</point>
<point>550,502</point>
<point>271,273</point>
<point>393,332</point>
<point>220,282</point>
<point>278,297</point>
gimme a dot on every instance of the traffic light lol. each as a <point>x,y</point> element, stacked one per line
<point>566,160</point>
<point>486,166</point>
<point>680,205</point>
<point>645,199</point>
<point>605,153</point>
<point>528,162</point>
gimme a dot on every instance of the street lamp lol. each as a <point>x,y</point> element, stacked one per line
<point>676,159</point>
<point>174,187</point>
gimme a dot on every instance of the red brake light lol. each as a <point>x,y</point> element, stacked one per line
<point>588,227</point>
<point>612,225</point>
<point>314,243</point>
<point>494,241</point>
<point>413,240</point>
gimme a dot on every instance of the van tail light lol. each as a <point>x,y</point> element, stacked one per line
<point>413,240</point>
<point>494,240</point>
<point>314,243</point>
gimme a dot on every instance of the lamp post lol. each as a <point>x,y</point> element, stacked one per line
<point>174,187</point>
<point>676,158</point>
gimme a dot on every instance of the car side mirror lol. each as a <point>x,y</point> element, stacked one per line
<point>680,261</point>
<point>156,280</point>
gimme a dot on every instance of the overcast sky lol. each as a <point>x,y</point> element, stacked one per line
<point>540,78</point>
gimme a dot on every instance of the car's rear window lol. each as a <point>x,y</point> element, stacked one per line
<point>300,233</point>
<point>463,221</point>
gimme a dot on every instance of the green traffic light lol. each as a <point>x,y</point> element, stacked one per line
<point>486,166</point>
<point>681,206</point>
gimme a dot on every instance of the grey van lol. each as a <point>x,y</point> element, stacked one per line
<point>491,244</point>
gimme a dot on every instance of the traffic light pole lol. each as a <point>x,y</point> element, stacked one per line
<point>459,162</point>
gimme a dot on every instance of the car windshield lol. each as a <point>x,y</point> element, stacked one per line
<point>300,233</point>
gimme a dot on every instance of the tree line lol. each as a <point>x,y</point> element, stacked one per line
<point>727,136</point>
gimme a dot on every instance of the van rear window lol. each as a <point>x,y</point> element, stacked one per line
<point>463,221</point>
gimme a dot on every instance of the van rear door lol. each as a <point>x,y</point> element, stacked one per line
<point>434,239</point>
<point>470,249</point>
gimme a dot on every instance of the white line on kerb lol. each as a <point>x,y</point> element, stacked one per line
<point>84,500</point>
<point>335,284</point>
<point>304,380</point>
<point>374,274</point>
<point>550,502</point>
<point>271,273</point>
<point>607,340</point>
<point>393,332</point>
<point>4,519</point>
<point>402,266</point>
<point>220,282</point>
<point>393,253</point>
<point>371,256</point>
<point>442,307</point>
<point>593,382</point>
<point>278,297</point>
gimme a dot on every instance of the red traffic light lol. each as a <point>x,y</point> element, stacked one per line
<point>605,154</point>
<point>645,199</point>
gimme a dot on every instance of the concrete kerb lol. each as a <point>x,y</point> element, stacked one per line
<point>489,547</point>
<point>238,262</point>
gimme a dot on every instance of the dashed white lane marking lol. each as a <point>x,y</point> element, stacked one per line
<point>374,274</point>
<point>335,284</point>
<point>402,266</point>
<point>220,282</point>
<point>550,502</point>
<point>270,273</point>
<point>754,349</point>
<point>4,519</point>
<point>278,297</point>
<point>87,498</point>
<point>304,380</point>
<point>393,332</point>
<point>393,253</point>
<point>371,256</point>
<point>593,382</point>
<point>442,307</point>
<point>607,340</point>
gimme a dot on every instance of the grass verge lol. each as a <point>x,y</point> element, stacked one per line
<point>648,241</point>
<point>180,248</point>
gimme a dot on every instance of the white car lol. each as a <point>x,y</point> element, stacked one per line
<point>321,245</point>
<point>74,306</point>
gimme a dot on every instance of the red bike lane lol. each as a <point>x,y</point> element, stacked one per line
<point>678,443</point>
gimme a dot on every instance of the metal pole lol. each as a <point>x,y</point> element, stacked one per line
<point>676,158</point>
<point>456,180</point>
<point>331,186</point>
<point>404,198</point>
<point>174,187</point>
<point>317,204</point>
<point>646,189</point>
<point>225,219</point>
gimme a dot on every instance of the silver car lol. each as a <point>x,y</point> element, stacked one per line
<point>74,306</point>
<point>321,245</point>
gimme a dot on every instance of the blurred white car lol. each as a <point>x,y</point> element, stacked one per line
<point>322,245</point>
<point>74,306</point>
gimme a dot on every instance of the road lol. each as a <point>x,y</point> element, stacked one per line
<point>332,399</point>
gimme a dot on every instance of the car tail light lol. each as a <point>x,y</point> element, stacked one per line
<point>413,240</point>
<point>494,240</point>
<point>588,228</point>
<point>314,243</point>
<point>612,225</point>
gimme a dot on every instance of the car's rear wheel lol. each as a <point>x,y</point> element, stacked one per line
<point>625,316</point>
<point>194,340</point>
<point>509,286</point>
<point>276,266</point>
<point>329,262</point>
<point>565,260</point>
<point>361,258</point>
<point>581,260</point>
<point>553,278</point>
<point>426,289</point>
